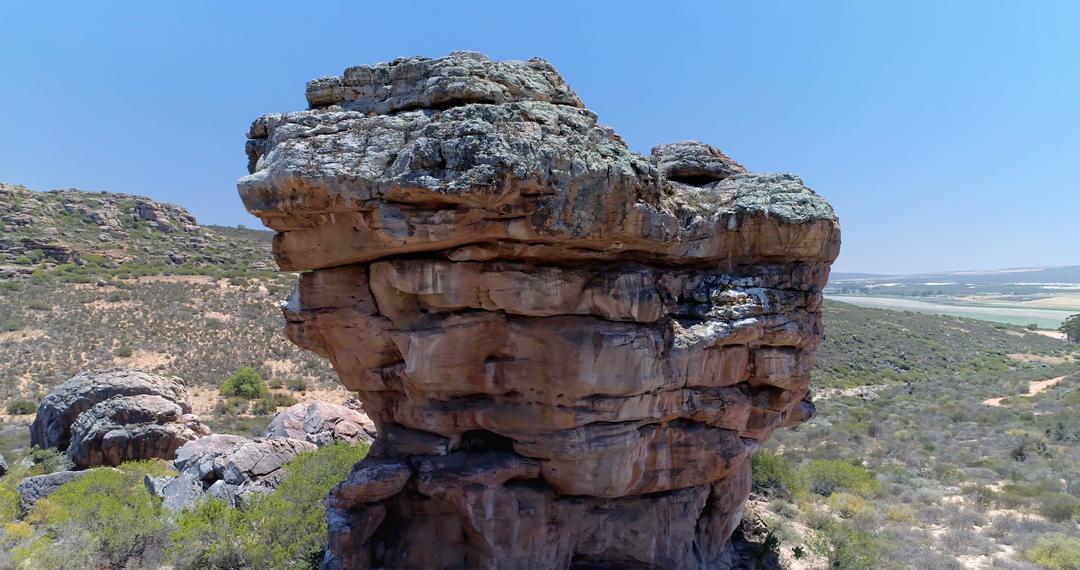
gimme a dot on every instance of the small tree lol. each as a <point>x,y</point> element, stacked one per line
<point>246,382</point>
<point>1071,328</point>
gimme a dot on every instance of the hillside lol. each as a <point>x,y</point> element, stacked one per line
<point>95,280</point>
<point>875,346</point>
<point>76,236</point>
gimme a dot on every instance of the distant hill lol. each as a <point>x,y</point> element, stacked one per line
<point>1065,274</point>
<point>77,236</point>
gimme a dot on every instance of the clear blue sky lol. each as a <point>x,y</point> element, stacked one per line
<point>946,134</point>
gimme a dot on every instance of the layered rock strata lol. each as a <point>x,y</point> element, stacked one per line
<point>569,350</point>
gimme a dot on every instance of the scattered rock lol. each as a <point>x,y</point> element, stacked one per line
<point>322,423</point>
<point>565,346</point>
<point>228,467</point>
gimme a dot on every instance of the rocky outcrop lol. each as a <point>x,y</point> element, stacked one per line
<point>322,423</point>
<point>112,416</point>
<point>227,467</point>
<point>569,350</point>
<point>3,466</point>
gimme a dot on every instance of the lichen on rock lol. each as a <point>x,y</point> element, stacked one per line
<point>569,350</point>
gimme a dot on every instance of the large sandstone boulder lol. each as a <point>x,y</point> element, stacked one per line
<point>228,467</point>
<point>569,350</point>
<point>112,416</point>
<point>131,427</point>
<point>59,410</point>
<point>322,423</point>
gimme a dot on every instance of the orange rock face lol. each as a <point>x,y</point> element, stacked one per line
<point>569,350</point>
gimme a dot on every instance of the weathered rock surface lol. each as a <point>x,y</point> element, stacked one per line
<point>131,427</point>
<point>33,489</point>
<point>3,466</point>
<point>569,350</point>
<point>63,405</point>
<point>228,467</point>
<point>322,423</point>
<point>112,416</point>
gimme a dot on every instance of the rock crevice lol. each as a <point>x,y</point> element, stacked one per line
<point>569,350</point>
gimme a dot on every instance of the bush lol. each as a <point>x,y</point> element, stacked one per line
<point>1059,507</point>
<point>19,407</point>
<point>1056,552</point>
<point>107,515</point>
<point>846,547</point>
<point>246,382</point>
<point>298,385</point>
<point>846,505</point>
<point>900,514</point>
<point>826,476</point>
<point>269,403</point>
<point>122,352</point>
<point>232,407</point>
<point>9,325</point>
<point>773,474</point>
<point>283,529</point>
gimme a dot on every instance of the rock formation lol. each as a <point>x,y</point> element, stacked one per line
<point>322,423</point>
<point>112,416</point>
<point>227,467</point>
<point>569,350</point>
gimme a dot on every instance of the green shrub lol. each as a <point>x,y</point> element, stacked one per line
<point>1059,507</point>
<point>1056,552</point>
<point>39,305</point>
<point>107,515</point>
<point>122,352</point>
<point>900,513</point>
<point>826,476</point>
<point>283,529</point>
<point>846,546</point>
<point>298,385</point>
<point>20,407</point>
<point>846,505</point>
<point>773,474</point>
<point>246,382</point>
<point>270,402</point>
<point>232,407</point>
<point>9,325</point>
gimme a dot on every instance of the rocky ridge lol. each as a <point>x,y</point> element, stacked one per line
<point>565,346</point>
<point>105,230</point>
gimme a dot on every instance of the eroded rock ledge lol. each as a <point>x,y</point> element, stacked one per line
<point>569,350</point>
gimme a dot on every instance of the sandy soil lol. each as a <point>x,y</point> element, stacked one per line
<point>1052,334</point>
<point>21,335</point>
<point>1039,358</point>
<point>1034,387</point>
<point>203,400</point>
<point>145,359</point>
<point>1065,301</point>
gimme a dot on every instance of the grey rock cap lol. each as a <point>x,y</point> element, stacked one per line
<point>457,79</point>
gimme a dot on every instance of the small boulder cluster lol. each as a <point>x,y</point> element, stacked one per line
<point>102,419</point>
